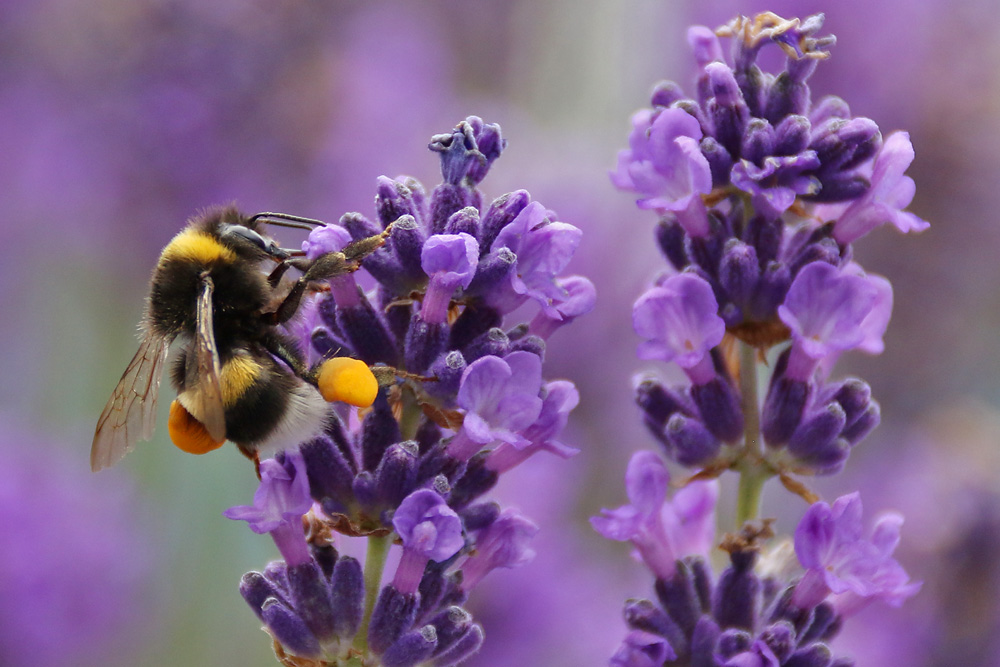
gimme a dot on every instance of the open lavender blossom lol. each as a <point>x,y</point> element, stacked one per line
<point>661,532</point>
<point>461,401</point>
<point>845,567</point>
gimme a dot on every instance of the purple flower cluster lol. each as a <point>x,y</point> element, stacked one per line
<point>760,193</point>
<point>754,613</point>
<point>462,400</point>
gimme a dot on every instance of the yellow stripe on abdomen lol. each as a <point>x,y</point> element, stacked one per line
<point>236,376</point>
<point>198,246</point>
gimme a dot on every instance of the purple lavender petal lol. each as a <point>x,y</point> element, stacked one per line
<point>890,192</point>
<point>500,396</point>
<point>679,320</point>
<point>426,524</point>
<point>450,259</point>
<point>831,546</point>
<point>328,238</point>
<point>825,308</point>
<point>281,498</point>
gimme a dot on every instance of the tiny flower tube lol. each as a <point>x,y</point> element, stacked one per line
<point>429,530</point>
<point>719,405</point>
<point>450,261</point>
<point>278,506</point>
<point>505,543</point>
<point>187,433</point>
<point>347,380</point>
<point>580,297</point>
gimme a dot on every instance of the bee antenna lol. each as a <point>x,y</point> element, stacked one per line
<point>286,220</point>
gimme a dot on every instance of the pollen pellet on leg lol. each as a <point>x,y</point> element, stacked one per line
<point>348,381</point>
<point>187,433</point>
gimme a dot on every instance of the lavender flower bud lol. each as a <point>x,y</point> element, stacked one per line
<point>425,342</point>
<point>816,438</point>
<point>658,403</point>
<point>492,271</point>
<point>493,343</point>
<point>703,642</point>
<point>465,646</point>
<point>670,236</point>
<point>739,272</point>
<point>448,371</point>
<point>412,648</point>
<point>863,425</point>
<point>758,141</point>
<point>450,625</point>
<point>678,596</point>
<point>773,287</point>
<point>465,221</point>
<point>472,323</point>
<point>792,135</point>
<point>378,430</point>
<point>347,586</point>
<point>396,474</point>
<point>446,200</point>
<point>644,615</point>
<point>737,594</point>
<point>783,407</point>
<point>330,474</point>
<point>501,213</point>
<point>393,200</point>
<point>257,589</point>
<point>364,489</point>
<point>311,598</point>
<point>665,93</point>
<point>393,614</point>
<point>290,630</point>
<point>407,242</point>
<point>691,443</point>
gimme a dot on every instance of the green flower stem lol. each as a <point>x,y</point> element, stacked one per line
<point>378,549</point>
<point>753,471</point>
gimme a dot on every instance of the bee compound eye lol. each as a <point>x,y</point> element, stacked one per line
<point>247,234</point>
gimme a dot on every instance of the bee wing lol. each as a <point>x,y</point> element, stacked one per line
<point>203,369</point>
<point>130,414</point>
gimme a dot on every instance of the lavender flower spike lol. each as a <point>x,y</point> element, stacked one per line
<point>890,192</point>
<point>500,397</point>
<point>680,322</point>
<point>839,561</point>
<point>661,532</point>
<point>430,530</point>
<point>825,309</point>
<point>278,506</point>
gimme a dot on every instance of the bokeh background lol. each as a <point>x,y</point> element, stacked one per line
<point>121,118</point>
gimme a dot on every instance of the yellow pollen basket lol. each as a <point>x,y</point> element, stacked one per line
<point>348,381</point>
<point>187,433</point>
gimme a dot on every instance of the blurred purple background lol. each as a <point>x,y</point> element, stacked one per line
<point>121,118</point>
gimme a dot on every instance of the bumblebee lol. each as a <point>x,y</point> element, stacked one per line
<point>218,288</point>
